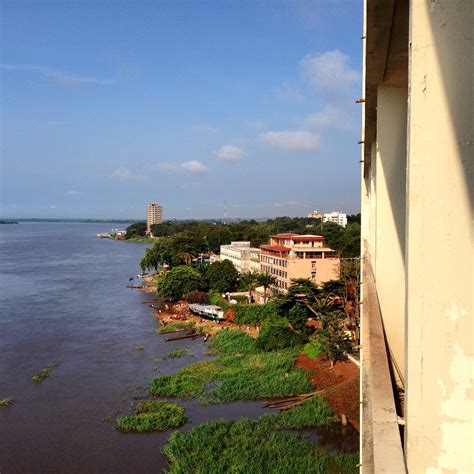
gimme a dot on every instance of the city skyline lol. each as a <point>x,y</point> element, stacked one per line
<point>210,103</point>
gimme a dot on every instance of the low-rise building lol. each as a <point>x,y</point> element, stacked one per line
<point>336,217</point>
<point>315,215</point>
<point>244,257</point>
<point>290,256</point>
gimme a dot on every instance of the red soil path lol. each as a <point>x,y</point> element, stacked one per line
<point>344,378</point>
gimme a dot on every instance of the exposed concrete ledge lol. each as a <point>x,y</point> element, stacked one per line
<point>381,445</point>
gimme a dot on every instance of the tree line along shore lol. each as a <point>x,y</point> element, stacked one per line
<point>291,353</point>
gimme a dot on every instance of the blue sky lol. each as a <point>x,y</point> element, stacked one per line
<point>107,105</point>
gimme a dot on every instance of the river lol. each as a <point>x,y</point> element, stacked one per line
<point>63,296</point>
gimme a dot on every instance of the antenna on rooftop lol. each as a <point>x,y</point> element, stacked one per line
<point>226,215</point>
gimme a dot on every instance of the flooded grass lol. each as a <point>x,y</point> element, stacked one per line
<point>6,402</point>
<point>175,327</point>
<point>252,446</point>
<point>242,377</point>
<point>45,372</point>
<point>178,353</point>
<point>151,415</point>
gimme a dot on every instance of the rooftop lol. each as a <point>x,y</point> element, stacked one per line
<point>275,248</point>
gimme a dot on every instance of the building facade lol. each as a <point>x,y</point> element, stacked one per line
<point>417,236</point>
<point>154,215</point>
<point>315,215</point>
<point>336,217</point>
<point>244,257</point>
<point>290,256</point>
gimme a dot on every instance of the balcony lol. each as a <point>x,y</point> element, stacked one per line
<point>381,442</point>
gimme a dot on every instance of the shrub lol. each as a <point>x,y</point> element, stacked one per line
<point>6,402</point>
<point>276,335</point>
<point>313,349</point>
<point>152,416</point>
<point>217,300</point>
<point>255,314</point>
<point>199,297</point>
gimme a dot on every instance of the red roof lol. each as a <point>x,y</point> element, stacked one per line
<point>275,248</point>
<point>310,238</point>
<point>283,236</point>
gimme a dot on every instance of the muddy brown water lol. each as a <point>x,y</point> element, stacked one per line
<point>63,296</point>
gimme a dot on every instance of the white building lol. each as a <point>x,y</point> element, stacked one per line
<point>244,257</point>
<point>154,215</point>
<point>314,215</point>
<point>336,217</point>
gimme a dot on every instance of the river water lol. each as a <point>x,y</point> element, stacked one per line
<point>63,296</point>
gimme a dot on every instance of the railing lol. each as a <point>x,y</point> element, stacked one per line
<point>381,444</point>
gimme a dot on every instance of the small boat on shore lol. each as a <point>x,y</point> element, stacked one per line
<point>212,312</point>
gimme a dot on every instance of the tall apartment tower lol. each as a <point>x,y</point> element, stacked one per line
<point>154,215</point>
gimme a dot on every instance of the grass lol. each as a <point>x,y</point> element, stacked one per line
<point>175,327</point>
<point>314,412</point>
<point>313,350</point>
<point>245,446</point>
<point>241,377</point>
<point>45,372</point>
<point>6,402</point>
<point>151,415</point>
<point>232,341</point>
<point>178,353</point>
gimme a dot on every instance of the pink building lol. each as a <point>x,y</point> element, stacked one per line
<point>290,256</point>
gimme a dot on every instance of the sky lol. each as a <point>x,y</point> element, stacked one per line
<point>198,105</point>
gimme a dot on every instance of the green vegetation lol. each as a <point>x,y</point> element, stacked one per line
<point>176,326</point>
<point>179,281</point>
<point>232,341</point>
<point>255,314</point>
<point>250,446</point>
<point>135,231</point>
<point>45,372</point>
<point>178,353</point>
<point>313,349</point>
<point>222,276</point>
<point>276,334</point>
<point>236,376</point>
<point>6,402</point>
<point>217,300</point>
<point>152,416</point>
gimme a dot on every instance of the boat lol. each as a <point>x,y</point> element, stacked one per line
<point>213,312</point>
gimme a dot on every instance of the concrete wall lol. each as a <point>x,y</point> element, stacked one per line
<point>390,182</point>
<point>439,262</point>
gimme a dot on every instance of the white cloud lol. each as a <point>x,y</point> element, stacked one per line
<point>329,72</point>
<point>191,166</point>
<point>208,129</point>
<point>72,192</point>
<point>123,173</point>
<point>331,116</point>
<point>289,93</point>
<point>298,141</point>
<point>59,77</point>
<point>230,153</point>
<point>194,166</point>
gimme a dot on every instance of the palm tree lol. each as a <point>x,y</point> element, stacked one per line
<point>265,280</point>
<point>249,281</point>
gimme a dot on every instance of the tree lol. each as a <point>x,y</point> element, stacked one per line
<point>298,316</point>
<point>332,337</point>
<point>249,282</point>
<point>222,276</point>
<point>179,281</point>
<point>266,280</point>
<point>136,230</point>
<point>276,334</point>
